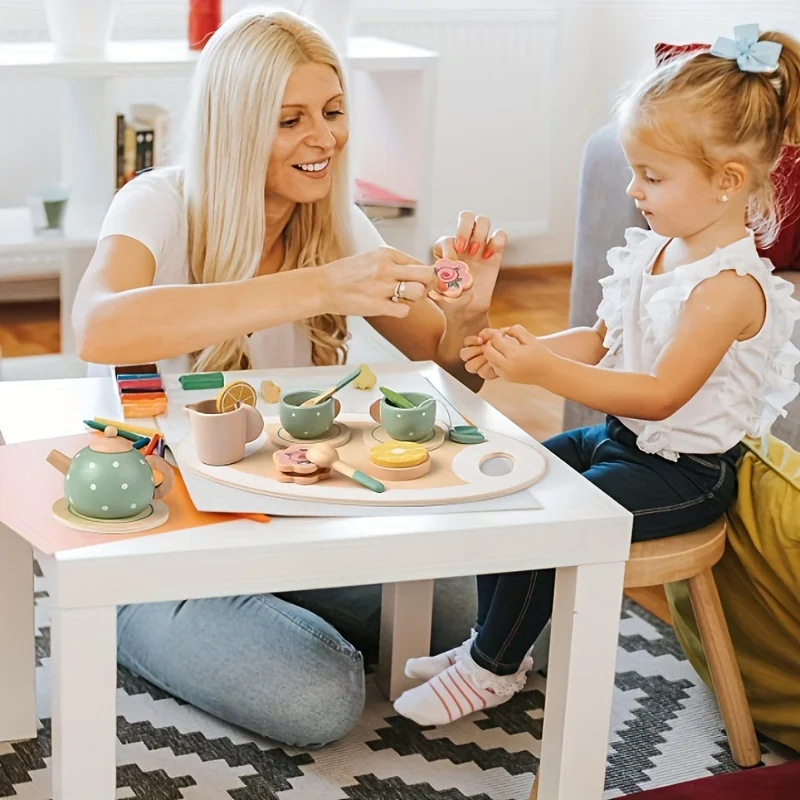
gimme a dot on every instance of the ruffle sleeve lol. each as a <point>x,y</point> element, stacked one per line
<point>780,385</point>
<point>664,307</point>
<point>780,356</point>
<point>640,244</point>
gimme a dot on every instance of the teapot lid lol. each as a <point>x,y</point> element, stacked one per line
<point>110,442</point>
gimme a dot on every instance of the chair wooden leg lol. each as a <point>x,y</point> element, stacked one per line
<point>725,674</point>
<point>535,788</point>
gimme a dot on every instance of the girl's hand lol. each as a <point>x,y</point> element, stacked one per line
<point>363,285</point>
<point>482,253</point>
<point>474,359</point>
<point>515,354</point>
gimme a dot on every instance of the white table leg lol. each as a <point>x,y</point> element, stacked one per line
<point>580,681</point>
<point>17,639</point>
<point>84,652</point>
<point>406,612</point>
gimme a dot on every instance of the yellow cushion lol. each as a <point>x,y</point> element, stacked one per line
<point>759,585</point>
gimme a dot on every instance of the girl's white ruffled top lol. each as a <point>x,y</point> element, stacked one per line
<point>751,385</point>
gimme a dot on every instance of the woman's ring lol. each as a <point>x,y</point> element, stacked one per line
<point>399,291</point>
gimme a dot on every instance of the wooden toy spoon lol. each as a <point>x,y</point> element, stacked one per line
<point>328,393</point>
<point>323,455</point>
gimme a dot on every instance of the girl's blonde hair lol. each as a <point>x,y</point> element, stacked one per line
<point>232,118</point>
<point>706,108</point>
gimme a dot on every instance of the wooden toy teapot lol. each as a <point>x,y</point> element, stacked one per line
<point>109,479</point>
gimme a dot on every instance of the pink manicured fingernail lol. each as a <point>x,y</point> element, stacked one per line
<point>473,248</point>
<point>488,253</point>
<point>460,244</point>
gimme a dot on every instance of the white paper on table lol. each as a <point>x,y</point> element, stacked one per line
<point>206,493</point>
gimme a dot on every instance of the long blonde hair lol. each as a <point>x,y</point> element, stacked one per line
<point>705,108</point>
<point>232,117</point>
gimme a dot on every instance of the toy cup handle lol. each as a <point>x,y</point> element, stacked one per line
<point>167,476</point>
<point>375,411</point>
<point>337,407</point>
<point>254,425</point>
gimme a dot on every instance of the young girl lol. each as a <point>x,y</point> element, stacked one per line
<point>691,351</point>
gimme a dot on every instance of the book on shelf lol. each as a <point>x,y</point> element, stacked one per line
<point>143,137</point>
<point>379,203</point>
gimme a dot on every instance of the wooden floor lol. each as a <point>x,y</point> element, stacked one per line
<point>29,329</point>
<point>536,297</point>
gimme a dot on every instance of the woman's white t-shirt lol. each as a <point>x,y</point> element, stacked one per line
<point>151,210</point>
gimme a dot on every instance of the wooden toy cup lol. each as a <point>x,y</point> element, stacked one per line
<point>407,424</point>
<point>308,423</point>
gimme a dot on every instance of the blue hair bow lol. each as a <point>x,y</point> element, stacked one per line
<point>750,54</point>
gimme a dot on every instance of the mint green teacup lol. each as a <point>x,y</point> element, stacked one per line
<point>409,424</point>
<point>307,423</point>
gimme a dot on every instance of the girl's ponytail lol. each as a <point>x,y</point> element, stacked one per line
<point>787,83</point>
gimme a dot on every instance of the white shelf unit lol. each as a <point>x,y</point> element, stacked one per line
<point>393,90</point>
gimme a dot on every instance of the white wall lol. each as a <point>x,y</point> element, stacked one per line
<point>523,170</point>
<point>603,45</point>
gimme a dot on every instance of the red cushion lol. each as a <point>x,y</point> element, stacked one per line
<point>784,253</point>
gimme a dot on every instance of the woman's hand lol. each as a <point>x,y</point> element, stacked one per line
<point>363,285</point>
<point>482,253</point>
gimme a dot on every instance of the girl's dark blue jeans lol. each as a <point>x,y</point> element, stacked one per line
<point>665,497</point>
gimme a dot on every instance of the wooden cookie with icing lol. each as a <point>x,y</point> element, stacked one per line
<point>453,278</point>
<point>294,467</point>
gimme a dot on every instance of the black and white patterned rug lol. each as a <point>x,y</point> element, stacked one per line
<point>665,729</point>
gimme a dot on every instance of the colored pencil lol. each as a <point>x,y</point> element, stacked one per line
<point>142,411</point>
<point>124,426</point>
<point>202,380</point>
<point>120,432</point>
<point>137,369</point>
<point>152,446</point>
<point>151,385</point>
<point>138,397</point>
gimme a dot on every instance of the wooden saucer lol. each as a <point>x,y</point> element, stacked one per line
<point>338,435</point>
<point>154,515</point>
<point>379,435</point>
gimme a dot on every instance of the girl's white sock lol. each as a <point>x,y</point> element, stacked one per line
<point>459,690</point>
<point>426,667</point>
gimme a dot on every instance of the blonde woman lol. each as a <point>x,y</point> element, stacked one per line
<point>250,254</point>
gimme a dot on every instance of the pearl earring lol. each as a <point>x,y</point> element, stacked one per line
<point>724,198</point>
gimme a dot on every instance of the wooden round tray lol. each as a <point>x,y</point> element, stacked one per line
<point>459,473</point>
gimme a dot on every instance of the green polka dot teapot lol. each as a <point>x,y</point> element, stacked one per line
<point>109,479</point>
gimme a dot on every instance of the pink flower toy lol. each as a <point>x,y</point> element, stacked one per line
<point>454,278</point>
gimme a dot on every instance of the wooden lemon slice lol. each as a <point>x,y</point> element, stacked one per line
<point>233,393</point>
<point>400,473</point>
<point>398,454</point>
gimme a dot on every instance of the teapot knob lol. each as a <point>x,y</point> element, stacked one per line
<point>110,431</point>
